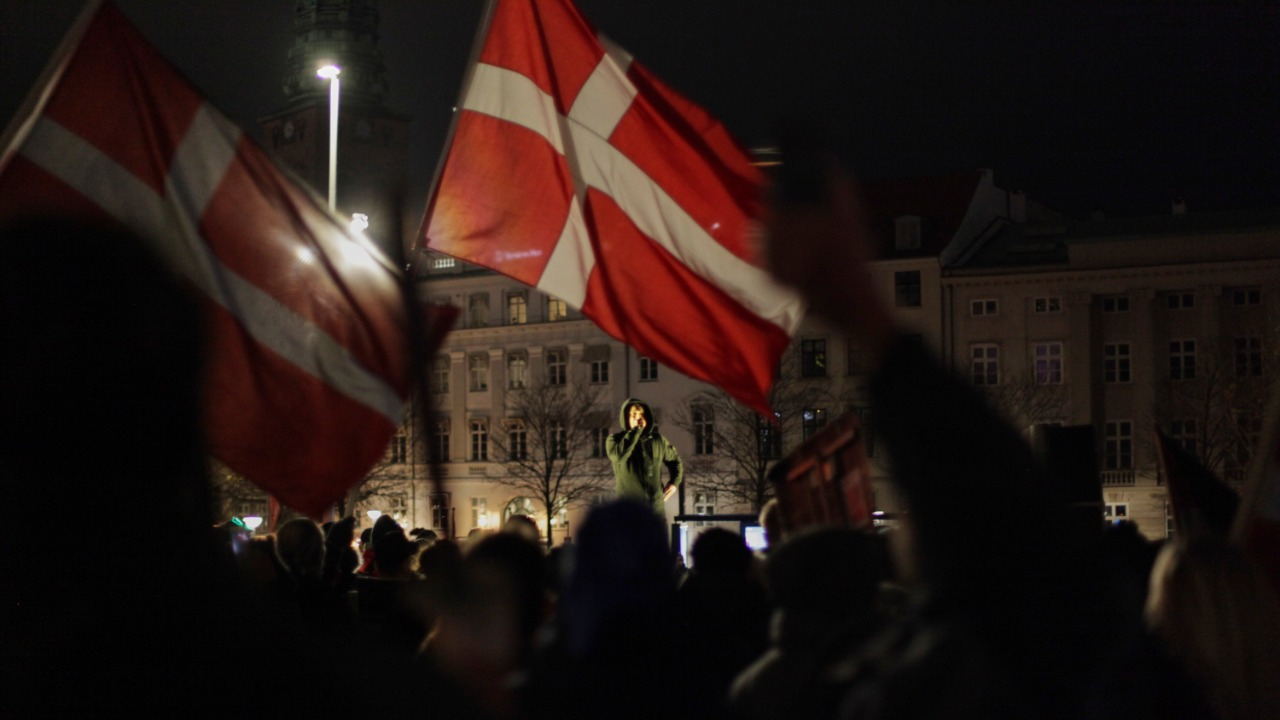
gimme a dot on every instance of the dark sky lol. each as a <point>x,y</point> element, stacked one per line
<point>1116,104</point>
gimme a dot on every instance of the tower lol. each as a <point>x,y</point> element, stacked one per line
<point>372,139</point>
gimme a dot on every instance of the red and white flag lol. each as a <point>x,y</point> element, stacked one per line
<point>307,367</point>
<point>576,171</point>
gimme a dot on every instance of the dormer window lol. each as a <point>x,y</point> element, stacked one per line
<point>906,232</point>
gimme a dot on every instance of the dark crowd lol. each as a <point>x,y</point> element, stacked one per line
<point>120,595</point>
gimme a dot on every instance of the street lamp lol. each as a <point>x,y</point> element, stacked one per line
<point>252,522</point>
<point>330,73</point>
<point>374,515</point>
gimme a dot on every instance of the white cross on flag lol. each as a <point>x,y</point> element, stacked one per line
<point>307,367</point>
<point>576,171</point>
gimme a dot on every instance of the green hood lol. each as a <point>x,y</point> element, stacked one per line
<point>622,412</point>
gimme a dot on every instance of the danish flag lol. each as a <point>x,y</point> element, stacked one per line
<point>574,170</point>
<point>307,367</point>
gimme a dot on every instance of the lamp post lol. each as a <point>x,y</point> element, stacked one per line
<point>330,73</point>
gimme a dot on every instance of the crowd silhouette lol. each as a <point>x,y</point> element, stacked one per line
<point>120,594</point>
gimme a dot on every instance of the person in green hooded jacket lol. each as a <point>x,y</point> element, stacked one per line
<point>638,453</point>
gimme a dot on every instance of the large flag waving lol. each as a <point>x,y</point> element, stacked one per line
<point>574,170</point>
<point>307,366</point>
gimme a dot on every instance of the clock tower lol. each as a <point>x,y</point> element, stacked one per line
<point>372,139</point>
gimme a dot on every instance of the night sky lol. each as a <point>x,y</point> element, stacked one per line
<point>1118,105</point>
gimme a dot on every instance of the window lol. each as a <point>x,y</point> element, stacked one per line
<point>479,310</point>
<point>1048,304</point>
<point>556,310</point>
<point>811,421</point>
<point>984,306</point>
<point>1246,296</point>
<point>1116,363</point>
<point>867,415</point>
<point>517,308</point>
<point>906,288</point>
<point>479,440</point>
<point>853,360</point>
<point>769,437</point>
<point>478,371</point>
<point>906,233</point>
<point>985,364</point>
<point>1115,304</point>
<point>1115,512</point>
<point>1184,433</point>
<point>704,503</point>
<point>396,505</point>
<point>559,441</point>
<point>441,263</point>
<point>1117,446</point>
<point>439,510</point>
<point>1181,300</point>
<point>399,450</point>
<point>599,440</point>
<point>517,441</point>
<point>1170,526</point>
<point>440,375</point>
<point>519,506</point>
<point>813,358</point>
<point>441,441</point>
<point>479,512</point>
<point>1182,360</point>
<point>517,370</point>
<point>1248,433</point>
<point>704,431</point>
<point>599,372</point>
<point>1248,356</point>
<point>557,367</point>
<point>648,369</point>
<point>1048,363</point>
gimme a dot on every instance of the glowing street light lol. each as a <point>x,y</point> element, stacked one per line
<point>330,73</point>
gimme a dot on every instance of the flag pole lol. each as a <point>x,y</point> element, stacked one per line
<point>19,127</point>
<point>482,31</point>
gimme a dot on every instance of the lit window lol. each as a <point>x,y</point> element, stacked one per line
<point>813,358</point>
<point>517,308</point>
<point>985,364</point>
<point>517,370</point>
<point>557,310</point>
<point>479,512</point>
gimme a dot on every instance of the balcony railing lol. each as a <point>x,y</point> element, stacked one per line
<point>1117,477</point>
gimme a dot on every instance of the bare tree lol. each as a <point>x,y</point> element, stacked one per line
<point>551,445</point>
<point>734,447</point>
<point>1215,405</point>
<point>1023,402</point>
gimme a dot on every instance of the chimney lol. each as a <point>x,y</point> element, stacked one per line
<point>1179,206</point>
